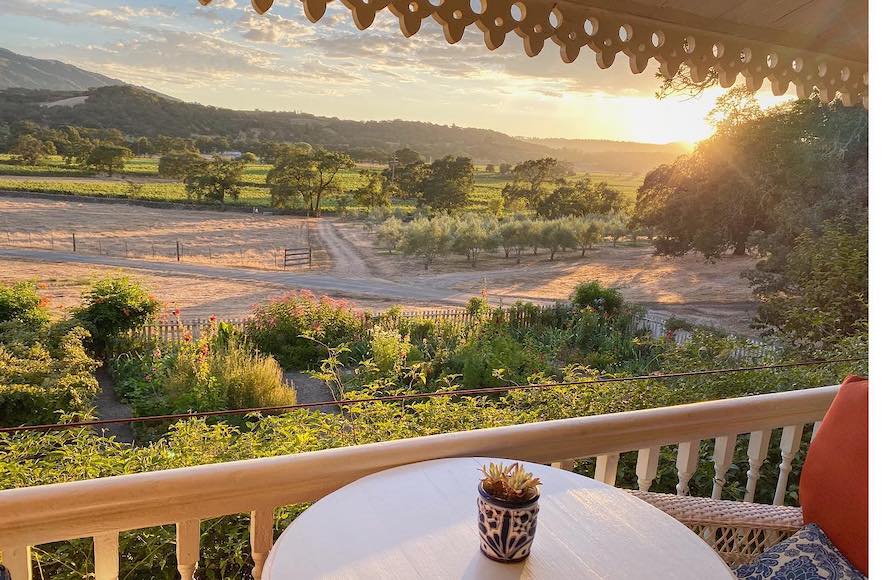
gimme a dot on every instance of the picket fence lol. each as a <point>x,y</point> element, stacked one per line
<point>547,315</point>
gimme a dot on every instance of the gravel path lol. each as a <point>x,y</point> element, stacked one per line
<point>108,406</point>
<point>310,390</point>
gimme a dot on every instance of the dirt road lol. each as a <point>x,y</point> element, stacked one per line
<point>320,282</point>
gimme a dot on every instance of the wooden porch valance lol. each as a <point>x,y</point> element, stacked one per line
<point>820,44</point>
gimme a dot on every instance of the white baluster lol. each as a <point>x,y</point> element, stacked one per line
<point>107,556</point>
<point>187,547</point>
<point>606,468</point>
<point>686,463</point>
<point>723,457</point>
<point>789,445</point>
<point>759,441</point>
<point>816,427</point>
<point>566,464</point>
<point>646,467</point>
<point>17,560</point>
<point>261,535</point>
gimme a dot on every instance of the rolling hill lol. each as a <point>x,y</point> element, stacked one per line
<point>54,94</point>
<point>19,71</point>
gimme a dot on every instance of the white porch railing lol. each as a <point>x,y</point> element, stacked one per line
<point>102,508</point>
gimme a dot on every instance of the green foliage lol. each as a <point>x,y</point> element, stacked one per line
<point>107,157</point>
<point>376,192</point>
<point>760,180</point>
<point>299,175</point>
<point>29,149</point>
<point>529,181</point>
<point>471,234</point>
<point>402,356</point>
<point>113,306</point>
<point>822,294</point>
<point>427,239</point>
<point>21,302</point>
<point>43,371</point>
<point>557,235</point>
<point>581,198</point>
<point>587,231</point>
<point>179,164</point>
<point>214,181</point>
<point>448,183</point>
<point>389,234</point>
<point>497,360</point>
<point>514,236</point>
<point>297,328</point>
<point>218,371</point>
<point>596,296</point>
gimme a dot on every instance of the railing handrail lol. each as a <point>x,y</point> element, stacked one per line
<point>41,514</point>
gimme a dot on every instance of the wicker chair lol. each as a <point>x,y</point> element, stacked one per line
<point>738,531</point>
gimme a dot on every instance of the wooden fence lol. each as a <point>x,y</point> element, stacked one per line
<point>547,315</point>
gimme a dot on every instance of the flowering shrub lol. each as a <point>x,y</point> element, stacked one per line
<point>218,371</point>
<point>113,306</point>
<point>594,294</point>
<point>297,328</point>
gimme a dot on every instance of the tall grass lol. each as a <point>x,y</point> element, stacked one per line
<point>248,379</point>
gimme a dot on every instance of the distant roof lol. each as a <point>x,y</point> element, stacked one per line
<point>810,44</point>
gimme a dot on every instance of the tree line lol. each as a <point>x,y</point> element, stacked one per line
<point>790,184</point>
<point>470,234</point>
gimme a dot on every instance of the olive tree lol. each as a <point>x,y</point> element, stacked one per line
<point>427,239</point>
<point>389,234</point>
<point>587,231</point>
<point>557,235</point>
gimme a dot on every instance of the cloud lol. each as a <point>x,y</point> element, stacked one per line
<point>273,29</point>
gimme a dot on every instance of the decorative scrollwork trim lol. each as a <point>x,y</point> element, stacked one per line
<point>575,25</point>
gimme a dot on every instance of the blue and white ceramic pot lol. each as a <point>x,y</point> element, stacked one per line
<point>506,529</point>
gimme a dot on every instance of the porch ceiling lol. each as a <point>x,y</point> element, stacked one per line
<point>805,43</point>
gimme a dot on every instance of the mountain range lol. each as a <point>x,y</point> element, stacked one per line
<point>54,93</point>
<point>26,72</point>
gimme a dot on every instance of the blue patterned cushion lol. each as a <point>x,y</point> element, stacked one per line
<point>806,555</point>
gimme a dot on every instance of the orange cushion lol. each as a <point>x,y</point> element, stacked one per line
<point>834,487</point>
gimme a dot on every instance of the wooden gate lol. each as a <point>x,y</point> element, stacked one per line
<point>297,257</point>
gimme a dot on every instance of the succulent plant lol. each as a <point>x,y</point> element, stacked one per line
<point>509,483</point>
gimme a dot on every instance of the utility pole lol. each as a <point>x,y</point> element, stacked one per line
<point>394,162</point>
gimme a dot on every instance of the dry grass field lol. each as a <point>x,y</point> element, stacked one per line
<point>216,237</point>
<point>713,292</point>
<point>64,283</point>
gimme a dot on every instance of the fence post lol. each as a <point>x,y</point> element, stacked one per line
<point>126,247</point>
<point>310,257</point>
<point>74,239</point>
<point>177,250</point>
<point>99,246</point>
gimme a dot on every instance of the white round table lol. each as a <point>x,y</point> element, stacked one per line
<point>420,521</point>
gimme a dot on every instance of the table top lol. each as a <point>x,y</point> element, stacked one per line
<point>420,521</point>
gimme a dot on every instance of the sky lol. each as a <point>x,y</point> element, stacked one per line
<point>226,55</point>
